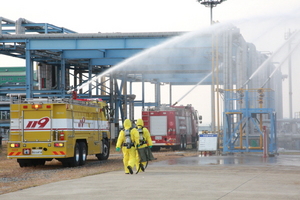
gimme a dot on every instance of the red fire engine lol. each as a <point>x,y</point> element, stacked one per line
<point>172,126</point>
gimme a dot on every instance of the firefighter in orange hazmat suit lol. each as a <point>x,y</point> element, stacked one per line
<point>128,139</point>
<point>145,141</point>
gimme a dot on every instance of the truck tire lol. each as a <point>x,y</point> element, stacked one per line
<point>36,162</point>
<point>194,142</point>
<point>105,154</point>
<point>82,153</point>
<point>74,161</point>
<point>65,162</point>
<point>176,147</point>
<point>24,162</point>
<point>183,143</point>
<point>155,148</point>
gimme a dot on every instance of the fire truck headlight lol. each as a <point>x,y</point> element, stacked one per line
<point>15,145</point>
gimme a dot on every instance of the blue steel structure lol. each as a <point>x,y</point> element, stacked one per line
<point>248,107</point>
<point>175,58</point>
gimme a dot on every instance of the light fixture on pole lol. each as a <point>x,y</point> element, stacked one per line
<point>211,4</point>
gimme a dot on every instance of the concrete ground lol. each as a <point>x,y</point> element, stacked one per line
<point>215,177</point>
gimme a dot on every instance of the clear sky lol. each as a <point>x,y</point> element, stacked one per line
<point>262,22</point>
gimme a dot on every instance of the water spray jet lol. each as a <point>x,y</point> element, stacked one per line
<point>267,62</point>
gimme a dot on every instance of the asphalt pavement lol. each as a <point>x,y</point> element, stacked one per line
<point>214,177</point>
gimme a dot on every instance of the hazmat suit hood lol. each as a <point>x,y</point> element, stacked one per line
<point>127,124</point>
<point>139,122</point>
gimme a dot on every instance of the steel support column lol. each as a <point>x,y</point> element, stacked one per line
<point>90,78</point>
<point>62,78</point>
<point>29,72</point>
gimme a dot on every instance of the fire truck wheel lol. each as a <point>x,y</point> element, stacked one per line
<point>175,148</point>
<point>38,162</point>
<point>194,142</point>
<point>24,162</point>
<point>65,162</point>
<point>155,148</point>
<point>183,143</point>
<point>74,161</point>
<point>82,153</point>
<point>105,154</point>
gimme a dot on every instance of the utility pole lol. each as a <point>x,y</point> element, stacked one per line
<point>210,4</point>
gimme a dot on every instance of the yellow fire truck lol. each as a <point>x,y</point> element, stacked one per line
<point>64,129</point>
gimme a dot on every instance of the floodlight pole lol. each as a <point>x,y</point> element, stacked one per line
<point>211,4</point>
<point>211,15</point>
